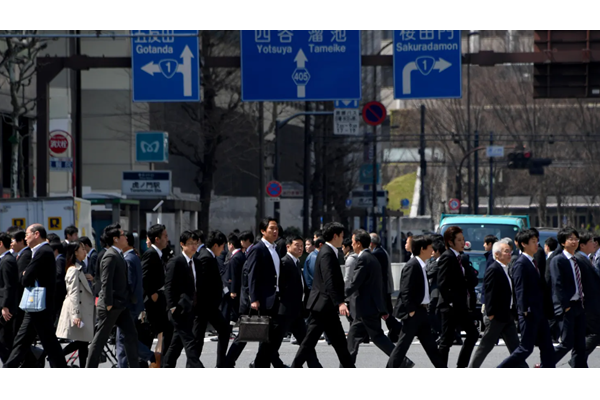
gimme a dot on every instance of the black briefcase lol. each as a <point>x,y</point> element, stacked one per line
<point>254,328</point>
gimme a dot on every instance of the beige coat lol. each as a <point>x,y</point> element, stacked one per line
<point>79,303</point>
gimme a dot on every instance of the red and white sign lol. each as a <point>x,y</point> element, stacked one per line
<point>454,204</point>
<point>58,143</point>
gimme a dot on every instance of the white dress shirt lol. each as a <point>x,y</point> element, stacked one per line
<point>505,268</point>
<point>37,247</point>
<point>273,250</point>
<point>187,260</point>
<point>334,249</point>
<point>3,254</point>
<point>426,298</point>
<point>572,260</point>
<point>158,251</point>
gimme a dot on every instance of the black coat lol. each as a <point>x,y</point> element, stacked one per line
<point>22,263</point>
<point>97,282</point>
<point>262,276</point>
<point>209,286</point>
<point>528,286</point>
<point>42,268</point>
<point>153,272</point>
<point>281,247</point>
<point>9,283</point>
<point>290,288</point>
<point>365,291</point>
<point>180,291</point>
<point>412,289</point>
<point>114,287</point>
<point>454,285</point>
<point>432,274</point>
<point>328,283</point>
<point>92,262</point>
<point>590,277</point>
<point>497,292</point>
<point>563,283</point>
<point>61,286</point>
<point>383,260</point>
<point>232,278</point>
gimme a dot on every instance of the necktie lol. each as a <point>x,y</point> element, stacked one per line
<point>536,267</point>
<point>578,275</point>
<point>192,274</point>
<point>463,271</point>
<point>460,264</point>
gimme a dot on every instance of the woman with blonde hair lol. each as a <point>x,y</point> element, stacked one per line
<point>76,320</point>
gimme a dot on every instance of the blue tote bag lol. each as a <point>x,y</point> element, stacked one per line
<point>34,299</point>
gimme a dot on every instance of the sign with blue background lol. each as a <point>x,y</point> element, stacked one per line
<point>427,65</point>
<point>152,147</point>
<point>165,68</point>
<point>279,65</point>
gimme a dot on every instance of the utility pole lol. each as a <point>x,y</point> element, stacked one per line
<point>306,194</point>
<point>374,141</point>
<point>476,177</point>
<point>491,191</point>
<point>423,163</point>
<point>261,164</point>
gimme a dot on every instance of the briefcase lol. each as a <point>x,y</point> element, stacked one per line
<point>34,299</point>
<point>254,328</point>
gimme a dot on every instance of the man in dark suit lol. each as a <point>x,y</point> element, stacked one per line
<point>412,306</point>
<point>153,281</point>
<point>530,306</point>
<point>280,242</point>
<point>209,291</point>
<point>264,266</point>
<point>387,283</point>
<point>113,300</point>
<point>499,306</point>
<point>41,269</point>
<point>232,280</point>
<point>326,300</point>
<point>366,297</point>
<point>97,283</point>
<point>568,297</point>
<point>92,255</point>
<point>432,274</point>
<point>456,281</point>
<point>180,292</point>
<point>9,283</point>
<point>22,253</point>
<point>488,242</point>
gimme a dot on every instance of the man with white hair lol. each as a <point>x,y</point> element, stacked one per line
<point>499,305</point>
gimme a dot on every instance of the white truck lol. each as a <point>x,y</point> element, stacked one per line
<point>54,213</point>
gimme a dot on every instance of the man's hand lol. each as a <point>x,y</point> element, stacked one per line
<point>89,277</point>
<point>491,317</point>
<point>154,297</point>
<point>108,308</point>
<point>411,314</point>
<point>525,313</point>
<point>344,310</point>
<point>173,310</point>
<point>233,295</point>
<point>255,305</point>
<point>6,314</point>
<point>567,310</point>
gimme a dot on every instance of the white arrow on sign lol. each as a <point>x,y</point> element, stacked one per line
<point>440,65</point>
<point>300,61</point>
<point>186,70</point>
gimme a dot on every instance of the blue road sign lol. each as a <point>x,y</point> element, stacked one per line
<point>152,147</point>
<point>365,176</point>
<point>427,65</point>
<point>346,104</point>
<point>404,203</point>
<point>165,68</point>
<point>300,65</point>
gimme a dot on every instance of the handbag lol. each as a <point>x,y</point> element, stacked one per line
<point>254,328</point>
<point>34,299</point>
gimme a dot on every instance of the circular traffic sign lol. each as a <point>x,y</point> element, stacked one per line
<point>454,204</point>
<point>374,113</point>
<point>274,189</point>
<point>58,143</point>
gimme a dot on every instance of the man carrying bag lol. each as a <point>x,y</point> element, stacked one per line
<point>40,272</point>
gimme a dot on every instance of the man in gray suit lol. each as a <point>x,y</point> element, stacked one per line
<point>113,298</point>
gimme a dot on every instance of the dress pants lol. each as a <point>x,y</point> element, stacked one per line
<point>41,323</point>
<point>297,327</point>
<point>434,318</point>
<point>159,321</point>
<point>121,317</point>
<point>572,333</point>
<point>234,352</point>
<point>369,326</point>
<point>215,318</point>
<point>82,349</point>
<point>494,330</point>
<point>534,331</point>
<point>451,320</point>
<point>144,351</point>
<point>267,352</point>
<point>7,337</point>
<point>327,321</point>
<point>391,322</point>
<point>183,338</point>
<point>417,325</point>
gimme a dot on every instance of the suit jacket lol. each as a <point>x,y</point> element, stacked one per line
<point>590,277</point>
<point>489,258</point>
<point>543,266</point>
<point>527,286</point>
<point>432,274</point>
<point>453,285</point>
<point>61,287</point>
<point>42,268</point>
<point>153,272</point>
<point>180,290</point>
<point>290,288</point>
<point>412,289</point>
<point>134,275</point>
<point>97,282</point>
<point>384,261</point>
<point>9,283</point>
<point>327,291</point>
<point>365,291</point>
<point>350,265</point>
<point>262,277</point>
<point>563,283</point>
<point>281,247</point>
<point>497,291</point>
<point>92,262</point>
<point>22,262</point>
<point>244,294</point>
<point>209,286</point>
<point>114,290</point>
<point>232,278</point>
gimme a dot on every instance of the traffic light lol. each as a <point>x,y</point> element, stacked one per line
<point>536,165</point>
<point>525,160</point>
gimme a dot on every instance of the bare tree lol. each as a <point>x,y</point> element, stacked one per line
<point>17,69</point>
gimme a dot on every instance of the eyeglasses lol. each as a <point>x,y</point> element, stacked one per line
<point>573,239</point>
